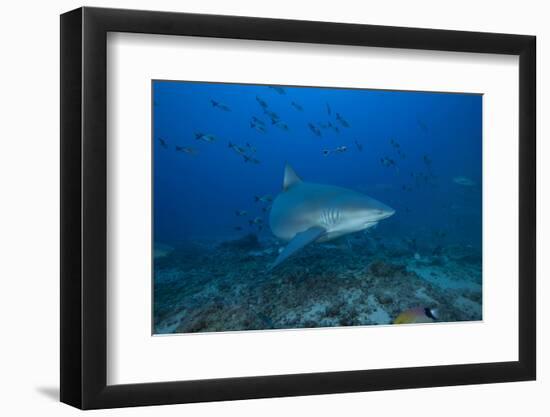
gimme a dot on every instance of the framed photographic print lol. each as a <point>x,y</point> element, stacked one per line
<point>258,207</point>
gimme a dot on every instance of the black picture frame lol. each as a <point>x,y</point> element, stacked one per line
<point>84,207</point>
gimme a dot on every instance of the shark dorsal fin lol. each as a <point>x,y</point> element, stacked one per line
<point>291,178</point>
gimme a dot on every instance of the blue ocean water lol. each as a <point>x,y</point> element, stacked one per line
<point>218,147</point>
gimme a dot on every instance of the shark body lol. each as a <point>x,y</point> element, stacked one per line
<point>304,213</point>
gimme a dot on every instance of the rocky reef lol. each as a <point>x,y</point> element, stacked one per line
<point>227,286</point>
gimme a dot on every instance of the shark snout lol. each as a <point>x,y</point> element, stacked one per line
<point>388,213</point>
<point>384,212</point>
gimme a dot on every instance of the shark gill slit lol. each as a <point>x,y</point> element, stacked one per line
<point>330,217</point>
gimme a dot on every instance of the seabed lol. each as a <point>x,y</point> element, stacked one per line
<point>226,285</point>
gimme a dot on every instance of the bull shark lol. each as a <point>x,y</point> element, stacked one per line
<point>305,213</point>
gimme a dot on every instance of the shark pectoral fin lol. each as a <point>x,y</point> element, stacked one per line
<point>298,242</point>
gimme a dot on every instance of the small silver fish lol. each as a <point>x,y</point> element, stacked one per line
<point>257,220</point>
<point>464,181</point>
<point>387,162</point>
<point>263,199</point>
<point>250,159</point>
<point>282,125</point>
<point>237,148</point>
<point>219,105</point>
<point>422,125</point>
<point>339,149</point>
<point>186,149</point>
<point>297,106</point>
<point>252,148</point>
<point>258,127</point>
<point>261,102</point>
<point>316,131</point>
<point>204,137</point>
<point>341,119</point>
<point>258,121</point>
<point>279,90</point>
<point>272,115</point>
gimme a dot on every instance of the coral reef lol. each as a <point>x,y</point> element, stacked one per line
<point>227,286</point>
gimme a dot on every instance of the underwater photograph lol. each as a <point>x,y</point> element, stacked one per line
<point>292,207</point>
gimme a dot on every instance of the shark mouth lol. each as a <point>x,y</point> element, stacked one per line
<point>368,225</point>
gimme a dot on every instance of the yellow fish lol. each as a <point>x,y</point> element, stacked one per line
<point>417,315</point>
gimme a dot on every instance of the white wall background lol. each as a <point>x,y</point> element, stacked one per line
<point>29,237</point>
